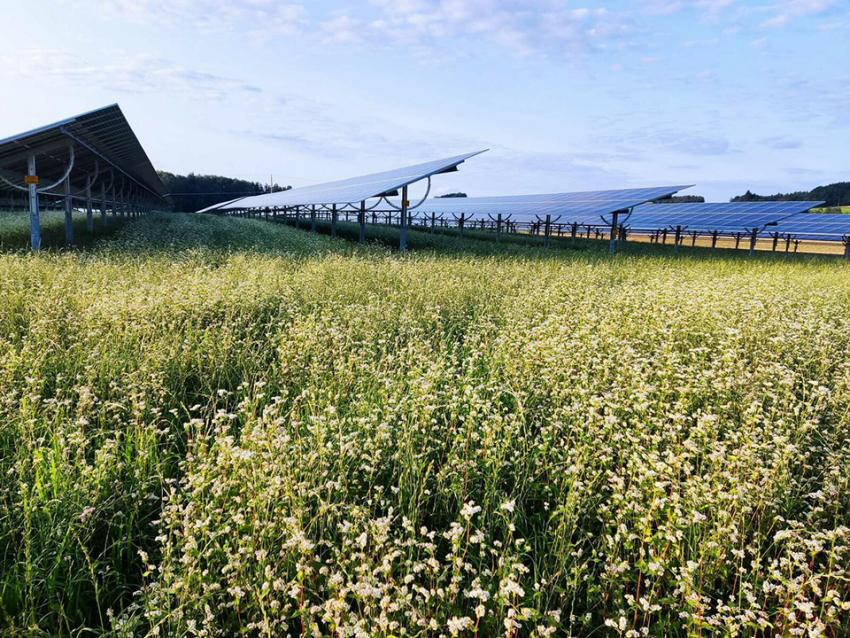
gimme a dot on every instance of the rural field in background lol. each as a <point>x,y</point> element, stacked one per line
<point>216,427</point>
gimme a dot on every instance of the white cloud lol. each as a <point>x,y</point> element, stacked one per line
<point>786,11</point>
<point>541,26</point>
<point>257,17</point>
<point>123,74</point>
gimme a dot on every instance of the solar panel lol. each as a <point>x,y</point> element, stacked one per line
<point>102,136</point>
<point>727,218</point>
<point>815,226</point>
<point>348,191</point>
<point>584,208</point>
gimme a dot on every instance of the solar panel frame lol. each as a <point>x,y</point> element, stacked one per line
<point>815,226</point>
<point>350,190</point>
<point>586,208</point>
<point>720,217</point>
<point>101,137</point>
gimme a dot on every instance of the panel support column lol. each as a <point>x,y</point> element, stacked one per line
<point>402,235</point>
<point>615,226</point>
<point>103,205</point>
<point>69,213</point>
<point>361,218</point>
<point>333,220</point>
<point>35,221</point>
<point>89,212</point>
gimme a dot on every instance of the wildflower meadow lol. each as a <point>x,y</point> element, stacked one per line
<point>228,427</point>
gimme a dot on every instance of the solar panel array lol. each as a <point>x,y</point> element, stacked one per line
<point>102,137</point>
<point>586,208</point>
<point>348,191</point>
<point>814,226</point>
<point>725,218</point>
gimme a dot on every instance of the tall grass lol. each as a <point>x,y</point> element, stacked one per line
<point>226,427</point>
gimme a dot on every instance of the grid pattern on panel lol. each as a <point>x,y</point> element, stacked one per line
<point>103,134</point>
<point>584,208</point>
<point>347,191</point>
<point>735,217</point>
<point>818,227</point>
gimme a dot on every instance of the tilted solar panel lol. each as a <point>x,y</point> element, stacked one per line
<point>814,226</point>
<point>348,191</point>
<point>586,208</point>
<point>102,139</point>
<point>734,217</point>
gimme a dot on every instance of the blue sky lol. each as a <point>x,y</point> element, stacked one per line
<point>726,94</point>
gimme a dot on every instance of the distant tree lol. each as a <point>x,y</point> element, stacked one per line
<point>682,199</point>
<point>451,195</point>
<point>189,193</point>
<point>837,194</point>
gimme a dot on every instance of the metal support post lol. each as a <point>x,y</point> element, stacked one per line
<point>89,212</point>
<point>313,218</point>
<point>333,220</point>
<point>612,241</point>
<point>35,221</point>
<point>361,218</point>
<point>402,235</point>
<point>69,213</point>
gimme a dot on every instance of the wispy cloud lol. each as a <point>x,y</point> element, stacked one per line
<point>254,17</point>
<point>786,11</point>
<point>123,74</point>
<point>781,143</point>
<point>540,26</point>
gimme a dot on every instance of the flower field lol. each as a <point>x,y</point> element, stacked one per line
<point>221,427</point>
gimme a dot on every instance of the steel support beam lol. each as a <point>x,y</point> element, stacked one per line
<point>69,213</point>
<point>89,212</point>
<point>103,204</point>
<point>35,221</point>
<point>402,235</point>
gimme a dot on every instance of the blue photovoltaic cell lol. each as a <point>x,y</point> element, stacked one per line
<point>585,208</point>
<point>347,191</point>
<point>814,226</point>
<point>734,217</point>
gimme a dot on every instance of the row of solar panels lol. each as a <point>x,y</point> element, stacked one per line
<point>766,218</point>
<point>379,191</point>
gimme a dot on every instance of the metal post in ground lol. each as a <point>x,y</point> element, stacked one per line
<point>361,219</point>
<point>32,188</point>
<point>89,211</point>
<point>612,242</point>
<point>333,220</point>
<point>547,231</point>
<point>402,235</point>
<point>313,218</point>
<point>69,213</point>
<point>677,239</point>
<point>753,239</point>
<point>103,204</point>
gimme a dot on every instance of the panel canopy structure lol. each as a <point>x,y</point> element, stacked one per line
<point>815,227</point>
<point>349,191</point>
<point>584,208</point>
<point>723,218</point>
<point>102,140</point>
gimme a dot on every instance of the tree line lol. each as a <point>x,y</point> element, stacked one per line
<point>837,194</point>
<point>189,193</point>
